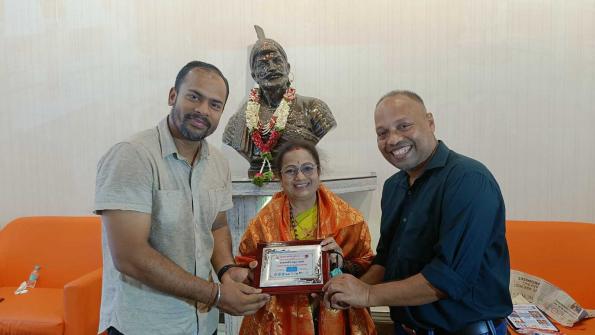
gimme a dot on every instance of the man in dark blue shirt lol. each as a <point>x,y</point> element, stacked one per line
<point>442,261</point>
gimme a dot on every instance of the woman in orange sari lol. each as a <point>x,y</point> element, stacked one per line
<point>307,210</point>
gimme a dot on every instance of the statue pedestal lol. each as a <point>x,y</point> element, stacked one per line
<point>248,199</point>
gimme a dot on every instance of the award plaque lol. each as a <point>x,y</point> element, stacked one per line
<point>291,267</point>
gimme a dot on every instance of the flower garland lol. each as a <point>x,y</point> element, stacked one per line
<point>273,128</point>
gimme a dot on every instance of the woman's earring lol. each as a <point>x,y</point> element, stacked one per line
<point>291,77</point>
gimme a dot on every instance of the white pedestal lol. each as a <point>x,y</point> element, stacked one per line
<point>248,199</point>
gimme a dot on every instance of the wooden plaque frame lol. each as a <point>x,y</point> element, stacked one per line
<point>292,289</point>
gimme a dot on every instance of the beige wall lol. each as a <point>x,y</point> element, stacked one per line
<point>510,83</point>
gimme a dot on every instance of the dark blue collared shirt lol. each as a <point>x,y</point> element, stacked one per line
<point>450,227</point>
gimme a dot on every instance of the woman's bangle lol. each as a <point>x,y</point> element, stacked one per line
<point>339,255</point>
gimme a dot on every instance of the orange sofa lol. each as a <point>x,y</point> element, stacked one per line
<point>563,253</point>
<point>67,296</point>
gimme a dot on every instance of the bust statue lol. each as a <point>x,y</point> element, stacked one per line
<point>273,113</point>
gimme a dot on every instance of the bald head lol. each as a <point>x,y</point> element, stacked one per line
<point>404,130</point>
<point>404,102</point>
<point>402,93</point>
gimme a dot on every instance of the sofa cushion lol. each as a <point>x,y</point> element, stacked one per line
<point>40,311</point>
<point>65,247</point>
<point>562,253</point>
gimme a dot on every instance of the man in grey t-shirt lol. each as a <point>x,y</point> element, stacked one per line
<point>162,196</point>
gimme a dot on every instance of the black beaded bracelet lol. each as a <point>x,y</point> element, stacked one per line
<point>223,270</point>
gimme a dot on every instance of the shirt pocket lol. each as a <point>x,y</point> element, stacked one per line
<point>214,203</point>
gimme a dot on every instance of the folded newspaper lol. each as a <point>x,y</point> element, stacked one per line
<point>527,318</point>
<point>554,302</point>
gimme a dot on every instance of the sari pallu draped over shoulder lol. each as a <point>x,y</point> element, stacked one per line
<point>291,314</point>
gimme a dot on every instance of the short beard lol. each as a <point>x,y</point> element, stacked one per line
<point>183,129</point>
<point>190,136</point>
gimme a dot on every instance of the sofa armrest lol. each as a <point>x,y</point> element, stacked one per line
<point>82,299</point>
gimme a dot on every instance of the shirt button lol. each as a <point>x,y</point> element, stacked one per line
<point>404,220</point>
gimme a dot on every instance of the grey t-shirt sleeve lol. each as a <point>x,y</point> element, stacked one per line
<point>124,180</point>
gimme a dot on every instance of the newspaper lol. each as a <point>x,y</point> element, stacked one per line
<point>554,302</point>
<point>529,316</point>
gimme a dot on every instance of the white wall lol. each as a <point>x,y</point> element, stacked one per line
<point>509,82</point>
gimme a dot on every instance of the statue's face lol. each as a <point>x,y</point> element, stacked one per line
<point>270,69</point>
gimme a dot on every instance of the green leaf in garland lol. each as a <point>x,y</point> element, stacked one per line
<point>258,180</point>
<point>266,155</point>
<point>268,176</point>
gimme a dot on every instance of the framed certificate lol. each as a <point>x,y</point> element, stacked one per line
<point>291,267</point>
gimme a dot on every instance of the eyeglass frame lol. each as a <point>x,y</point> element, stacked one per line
<point>299,169</point>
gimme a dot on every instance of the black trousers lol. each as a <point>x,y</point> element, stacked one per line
<point>113,331</point>
<point>491,327</point>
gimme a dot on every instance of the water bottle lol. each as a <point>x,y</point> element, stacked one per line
<point>33,277</point>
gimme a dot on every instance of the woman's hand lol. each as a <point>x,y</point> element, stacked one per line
<point>329,244</point>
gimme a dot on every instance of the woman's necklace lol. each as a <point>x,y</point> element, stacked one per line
<point>296,228</point>
<point>293,223</point>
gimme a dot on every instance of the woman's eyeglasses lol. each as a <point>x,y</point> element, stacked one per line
<point>291,171</point>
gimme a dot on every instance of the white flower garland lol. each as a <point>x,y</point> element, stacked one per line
<point>280,115</point>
